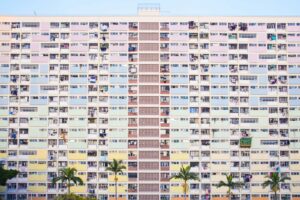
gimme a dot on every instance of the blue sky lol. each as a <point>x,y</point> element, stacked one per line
<point>168,7</point>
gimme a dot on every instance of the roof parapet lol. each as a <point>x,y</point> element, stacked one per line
<point>148,9</point>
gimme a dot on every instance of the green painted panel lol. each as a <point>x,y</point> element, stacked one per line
<point>37,133</point>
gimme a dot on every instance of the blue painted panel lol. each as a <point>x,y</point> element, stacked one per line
<point>4,79</point>
<point>78,80</point>
<point>179,91</point>
<point>294,70</point>
<point>4,90</point>
<point>253,101</point>
<point>3,100</point>
<point>219,102</point>
<point>34,89</point>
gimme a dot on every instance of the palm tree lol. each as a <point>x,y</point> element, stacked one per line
<point>68,175</point>
<point>274,181</point>
<point>185,175</point>
<point>116,166</point>
<point>230,184</point>
<point>6,175</point>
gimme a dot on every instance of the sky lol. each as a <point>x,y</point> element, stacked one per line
<point>168,7</point>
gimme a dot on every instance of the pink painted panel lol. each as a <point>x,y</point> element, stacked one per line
<point>179,48</point>
<point>293,59</point>
<point>44,26</point>
<point>293,28</point>
<point>79,27</point>
<point>39,59</point>
<point>178,37</point>
<point>118,58</point>
<point>122,37</point>
<point>293,38</point>
<point>220,59</point>
<point>178,27</point>
<point>40,38</point>
<point>79,37</point>
<point>179,58</point>
<point>78,59</point>
<point>118,48</point>
<point>252,58</point>
<point>257,28</point>
<point>35,46</point>
<point>218,28</point>
<point>4,37</point>
<point>218,38</point>
<point>4,59</point>
<point>261,37</point>
<point>4,27</point>
<point>257,49</point>
<point>295,49</point>
<point>218,48</point>
<point>79,48</point>
<point>118,27</point>
<point>4,48</point>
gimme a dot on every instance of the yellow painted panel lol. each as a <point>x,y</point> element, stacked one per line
<point>176,189</point>
<point>295,167</point>
<point>295,189</point>
<point>258,178</point>
<point>259,189</point>
<point>83,177</point>
<point>217,178</point>
<point>79,167</point>
<point>121,178</point>
<point>295,178</point>
<point>260,167</point>
<point>295,156</point>
<point>41,154</point>
<point>37,167</point>
<point>121,198</point>
<point>37,177</point>
<point>37,189</point>
<point>121,189</point>
<point>179,156</point>
<point>118,156</point>
<point>176,167</point>
<point>78,189</point>
<point>220,156</point>
<point>77,156</point>
<point>218,190</point>
<point>259,156</point>
<point>220,168</point>
<point>3,155</point>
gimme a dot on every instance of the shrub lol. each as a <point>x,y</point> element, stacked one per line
<point>72,197</point>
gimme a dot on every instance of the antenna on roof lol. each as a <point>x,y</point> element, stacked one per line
<point>148,9</point>
<point>34,13</point>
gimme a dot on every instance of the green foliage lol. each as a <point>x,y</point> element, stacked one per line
<point>6,175</point>
<point>68,175</point>
<point>273,181</point>
<point>185,175</point>
<point>116,166</point>
<point>73,197</point>
<point>230,184</point>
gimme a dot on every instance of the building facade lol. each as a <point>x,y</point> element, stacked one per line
<point>218,93</point>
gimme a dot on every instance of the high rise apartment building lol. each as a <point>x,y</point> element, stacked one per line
<point>221,94</point>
